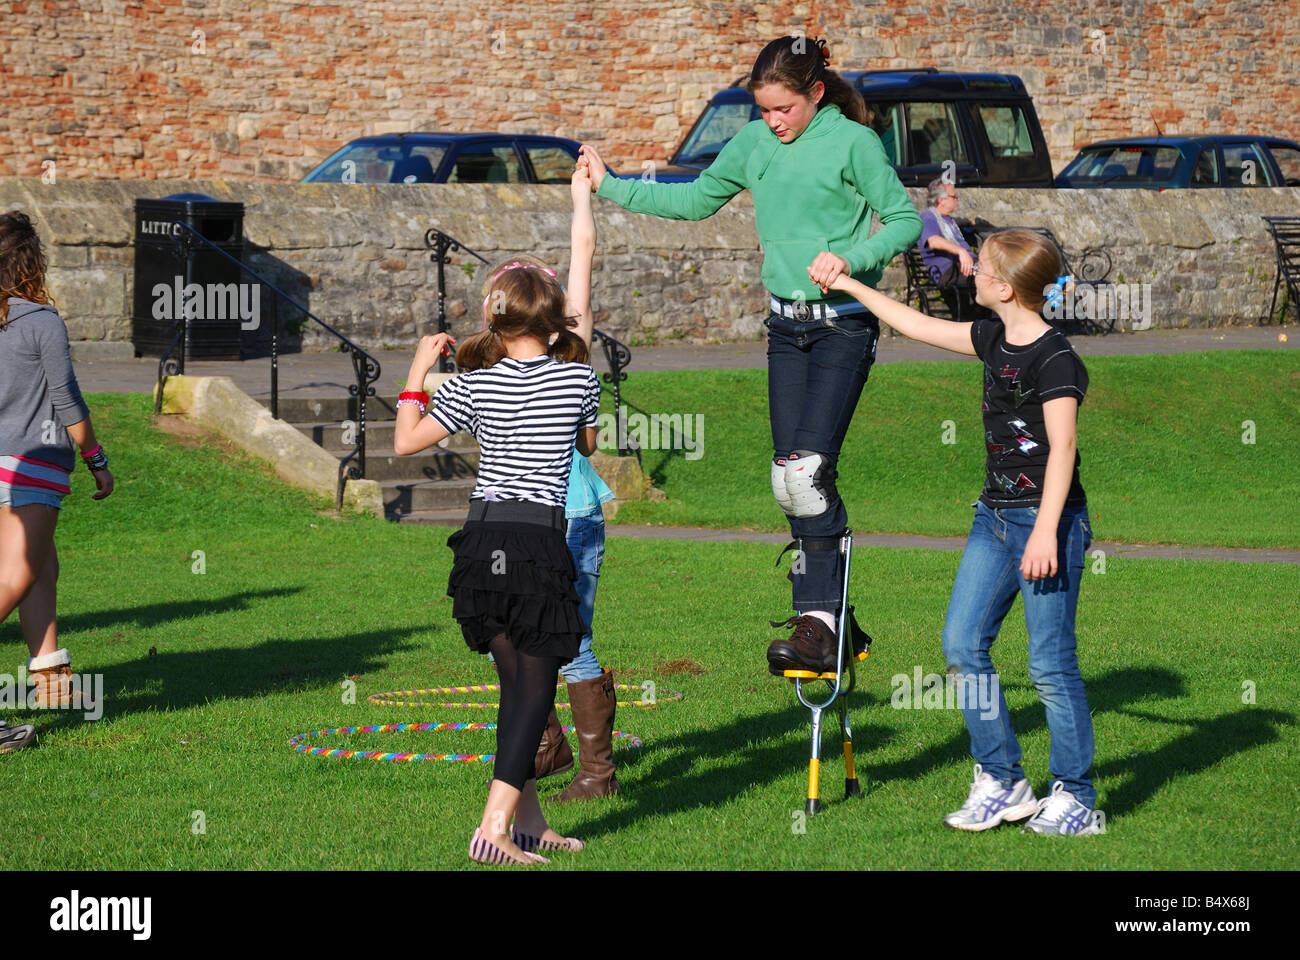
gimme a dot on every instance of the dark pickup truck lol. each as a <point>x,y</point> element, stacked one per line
<point>981,127</point>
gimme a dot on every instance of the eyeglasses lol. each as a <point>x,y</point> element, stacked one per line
<point>979,270</point>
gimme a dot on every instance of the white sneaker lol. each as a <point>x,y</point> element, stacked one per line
<point>1063,814</point>
<point>990,803</point>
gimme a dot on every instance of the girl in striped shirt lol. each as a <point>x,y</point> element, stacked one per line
<point>527,394</point>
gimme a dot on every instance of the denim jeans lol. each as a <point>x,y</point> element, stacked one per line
<point>586,540</point>
<point>816,370</point>
<point>988,581</point>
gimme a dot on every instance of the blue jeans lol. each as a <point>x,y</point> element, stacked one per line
<point>816,370</point>
<point>586,540</point>
<point>988,581</point>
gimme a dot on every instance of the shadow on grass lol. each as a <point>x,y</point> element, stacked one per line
<point>711,766</point>
<point>276,665</point>
<point>154,614</point>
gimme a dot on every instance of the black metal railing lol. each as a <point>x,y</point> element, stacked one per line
<point>617,354</point>
<point>188,241</point>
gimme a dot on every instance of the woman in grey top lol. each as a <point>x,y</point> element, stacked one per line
<point>41,416</point>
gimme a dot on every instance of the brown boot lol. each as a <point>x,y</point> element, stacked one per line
<point>594,703</point>
<point>51,675</point>
<point>554,755</point>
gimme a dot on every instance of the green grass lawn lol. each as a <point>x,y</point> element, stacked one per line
<point>1160,437</point>
<point>208,675</point>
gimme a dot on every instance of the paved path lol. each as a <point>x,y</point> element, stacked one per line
<point>325,374</point>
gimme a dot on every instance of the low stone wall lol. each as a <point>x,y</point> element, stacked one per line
<point>355,255</point>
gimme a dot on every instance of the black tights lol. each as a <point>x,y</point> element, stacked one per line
<point>527,695</point>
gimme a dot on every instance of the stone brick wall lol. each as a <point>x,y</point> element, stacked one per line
<point>355,255</point>
<point>264,89</point>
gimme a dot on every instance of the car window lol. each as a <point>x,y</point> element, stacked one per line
<point>551,164</point>
<point>382,163</point>
<point>933,133</point>
<point>1288,161</point>
<point>721,122</point>
<point>1007,130</point>
<point>1244,167</point>
<point>1129,162</point>
<point>887,120</point>
<point>1206,171</point>
<point>478,164</point>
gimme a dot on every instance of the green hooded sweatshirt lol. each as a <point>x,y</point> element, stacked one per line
<point>814,194</point>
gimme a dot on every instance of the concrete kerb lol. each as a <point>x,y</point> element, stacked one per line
<point>216,404</point>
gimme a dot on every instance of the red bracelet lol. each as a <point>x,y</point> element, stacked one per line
<point>91,454</point>
<point>417,395</point>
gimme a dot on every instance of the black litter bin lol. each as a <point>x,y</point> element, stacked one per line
<point>217,294</point>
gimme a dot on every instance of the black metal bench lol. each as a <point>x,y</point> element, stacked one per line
<point>1286,241</point>
<point>922,291</point>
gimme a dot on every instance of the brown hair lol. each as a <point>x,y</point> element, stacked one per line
<point>22,263</point>
<point>1025,259</point>
<point>523,299</point>
<point>782,63</point>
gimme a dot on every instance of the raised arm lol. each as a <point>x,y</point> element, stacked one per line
<point>702,197</point>
<point>910,323</point>
<point>582,249</point>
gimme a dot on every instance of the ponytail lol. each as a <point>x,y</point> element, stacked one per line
<point>568,348</point>
<point>479,351</point>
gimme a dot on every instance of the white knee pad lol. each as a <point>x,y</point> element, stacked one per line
<point>809,483</point>
<point>779,490</point>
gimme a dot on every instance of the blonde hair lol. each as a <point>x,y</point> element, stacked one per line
<point>1027,260</point>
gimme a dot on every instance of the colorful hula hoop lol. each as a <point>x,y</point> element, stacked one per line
<point>393,697</point>
<point>624,741</point>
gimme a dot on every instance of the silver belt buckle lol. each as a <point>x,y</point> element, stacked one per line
<point>801,310</point>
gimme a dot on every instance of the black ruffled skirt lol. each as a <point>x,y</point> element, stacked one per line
<point>515,579</point>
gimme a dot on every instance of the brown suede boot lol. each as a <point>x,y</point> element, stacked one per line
<point>594,703</point>
<point>51,675</point>
<point>554,755</point>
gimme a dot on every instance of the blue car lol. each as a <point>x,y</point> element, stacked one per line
<point>1162,163</point>
<point>450,158</point>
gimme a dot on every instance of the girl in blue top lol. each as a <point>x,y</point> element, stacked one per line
<point>817,173</point>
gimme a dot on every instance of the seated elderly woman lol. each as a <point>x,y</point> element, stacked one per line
<point>945,253</point>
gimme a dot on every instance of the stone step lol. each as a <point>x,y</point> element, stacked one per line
<point>328,434</point>
<point>435,518</point>
<point>404,497</point>
<point>433,464</point>
<point>336,408</point>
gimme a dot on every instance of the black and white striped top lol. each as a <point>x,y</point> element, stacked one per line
<point>525,415</point>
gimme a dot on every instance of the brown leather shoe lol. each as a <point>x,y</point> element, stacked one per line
<point>554,755</point>
<point>594,703</point>
<point>812,646</point>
